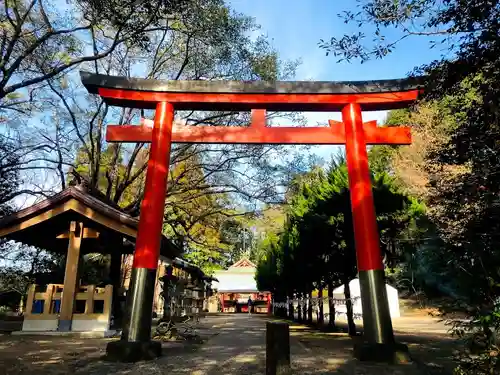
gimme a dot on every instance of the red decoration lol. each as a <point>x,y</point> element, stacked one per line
<point>256,133</point>
<point>242,101</point>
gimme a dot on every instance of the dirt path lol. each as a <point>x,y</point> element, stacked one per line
<point>237,346</point>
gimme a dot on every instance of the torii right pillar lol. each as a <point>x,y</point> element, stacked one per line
<point>378,338</point>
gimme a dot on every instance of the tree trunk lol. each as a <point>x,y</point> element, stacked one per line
<point>309,308</point>
<point>304,307</point>
<point>321,318</point>
<point>278,309</point>
<point>291,314</point>
<point>350,314</point>
<point>303,314</point>
<point>331,306</point>
<point>282,305</point>
<point>299,307</point>
<point>297,298</point>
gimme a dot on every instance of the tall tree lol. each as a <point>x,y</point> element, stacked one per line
<point>316,247</point>
<point>9,173</point>
<point>40,39</point>
<point>463,192</point>
<point>196,39</point>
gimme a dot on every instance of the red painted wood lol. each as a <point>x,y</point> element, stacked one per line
<point>147,250</point>
<point>369,126</point>
<point>295,102</point>
<point>333,135</point>
<point>129,133</point>
<point>258,118</point>
<point>334,123</point>
<point>366,234</point>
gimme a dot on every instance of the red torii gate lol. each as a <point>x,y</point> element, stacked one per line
<point>258,97</point>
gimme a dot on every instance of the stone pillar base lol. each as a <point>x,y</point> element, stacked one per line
<point>390,353</point>
<point>132,351</point>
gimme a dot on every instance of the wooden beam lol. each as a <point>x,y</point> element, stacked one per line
<point>104,220</point>
<point>37,219</point>
<point>332,135</point>
<point>375,101</point>
<point>258,118</point>
<point>87,233</point>
<point>70,276</point>
<point>76,206</point>
<point>29,301</point>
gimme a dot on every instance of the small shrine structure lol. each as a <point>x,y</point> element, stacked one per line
<point>75,222</point>
<point>236,284</point>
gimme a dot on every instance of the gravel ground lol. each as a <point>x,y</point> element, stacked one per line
<point>236,346</point>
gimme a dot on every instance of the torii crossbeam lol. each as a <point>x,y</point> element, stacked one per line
<point>258,97</point>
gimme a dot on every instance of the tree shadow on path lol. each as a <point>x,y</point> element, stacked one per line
<point>237,346</point>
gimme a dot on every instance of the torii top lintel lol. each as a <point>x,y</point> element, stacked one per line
<point>247,95</point>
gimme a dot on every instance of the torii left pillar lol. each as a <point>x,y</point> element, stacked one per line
<point>136,343</point>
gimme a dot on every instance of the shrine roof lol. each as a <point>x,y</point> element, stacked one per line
<point>239,277</point>
<point>41,224</point>
<point>197,94</point>
<point>243,266</point>
<point>243,263</point>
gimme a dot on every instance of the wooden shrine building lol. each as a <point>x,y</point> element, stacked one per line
<point>76,222</point>
<point>236,284</point>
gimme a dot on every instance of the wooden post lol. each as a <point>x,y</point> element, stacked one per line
<point>30,299</point>
<point>108,298</point>
<point>70,276</point>
<point>89,304</point>
<point>278,349</point>
<point>47,304</point>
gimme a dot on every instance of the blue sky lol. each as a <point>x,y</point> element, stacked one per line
<point>295,28</point>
